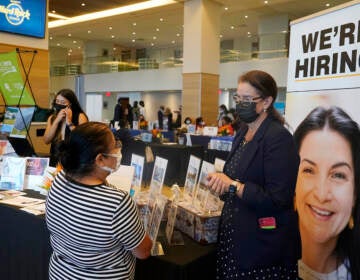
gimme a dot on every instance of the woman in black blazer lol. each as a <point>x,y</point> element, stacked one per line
<point>258,235</point>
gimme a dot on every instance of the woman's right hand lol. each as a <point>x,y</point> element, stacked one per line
<point>60,116</point>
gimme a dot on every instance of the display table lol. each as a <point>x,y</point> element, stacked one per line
<point>25,251</point>
<point>170,135</point>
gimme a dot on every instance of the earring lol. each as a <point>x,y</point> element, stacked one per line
<point>264,110</point>
<point>351,222</point>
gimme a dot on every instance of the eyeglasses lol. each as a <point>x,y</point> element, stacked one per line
<point>245,100</point>
<point>117,155</point>
<point>61,102</point>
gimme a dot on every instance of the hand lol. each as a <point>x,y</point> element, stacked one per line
<point>60,116</point>
<point>218,182</point>
<point>68,115</point>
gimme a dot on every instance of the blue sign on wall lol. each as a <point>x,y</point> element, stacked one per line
<point>25,17</point>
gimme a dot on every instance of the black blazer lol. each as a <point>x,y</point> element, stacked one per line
<point>268,168</point>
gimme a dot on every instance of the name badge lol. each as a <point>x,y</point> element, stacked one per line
<point>267,223</point>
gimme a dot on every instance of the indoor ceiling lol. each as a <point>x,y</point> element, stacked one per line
<point>162,27</point>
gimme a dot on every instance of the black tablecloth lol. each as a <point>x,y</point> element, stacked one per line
<point>25,252</point>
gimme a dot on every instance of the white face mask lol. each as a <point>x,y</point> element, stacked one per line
<point>118,163</point>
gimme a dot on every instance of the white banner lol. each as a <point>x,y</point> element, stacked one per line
<point>325,50</point>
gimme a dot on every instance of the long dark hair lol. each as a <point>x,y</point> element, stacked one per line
<point>348,245</point>
<point>75,105</point>
<point>265,86</point>
<point>77,154</point>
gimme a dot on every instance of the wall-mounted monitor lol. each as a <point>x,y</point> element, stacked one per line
<point>24,17</point>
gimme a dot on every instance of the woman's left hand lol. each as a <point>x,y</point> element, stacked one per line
<point>218,182</point>
<point>68,115</point>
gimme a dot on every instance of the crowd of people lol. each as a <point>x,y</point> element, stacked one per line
<point>291,207</point>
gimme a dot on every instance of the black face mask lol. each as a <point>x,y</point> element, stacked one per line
<point>59,107</point>
<point>247,111</point>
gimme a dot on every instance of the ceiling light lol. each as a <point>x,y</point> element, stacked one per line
<point>89,31</point>
<point>112,12</point>
<point>161,19</point>
<point>69,34</point>
<point>83,4</point>
<point>69,54</point>
<point>74,42</point>
<point>133,40</point>
<point>53,11</point>
<point>51,38</point>
<point>266,2</point>
<point>220,36</point>
<point>134,33</point>
<point>114,49</point>
<point>226,8</point>
<point>232,27</point>
<point>154,37</point>
<point>152,44</point>
<point>134,23</point>
<point>249,33</point>
<point>70,50</point>
<point>327,5</point>
<point>173,41</point>
<point>79,47</point>
<point>113,36</point>
<point>157,29</point>
<point>178,34</point>
<point>58,44</point>
<point>246,16</point>
<point>110,27</point>
<point>53,15</point>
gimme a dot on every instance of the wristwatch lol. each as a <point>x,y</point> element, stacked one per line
<point>234,187</point>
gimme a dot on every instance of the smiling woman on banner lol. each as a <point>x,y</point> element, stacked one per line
<point>258,236</point>
<point>95,231</point>
<point>328,195</point>
<point>67,115</point>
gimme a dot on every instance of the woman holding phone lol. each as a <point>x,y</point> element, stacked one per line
<point>67,115</point>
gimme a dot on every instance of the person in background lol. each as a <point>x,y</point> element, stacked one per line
<point>95,231</point>
<point>143,124</point>
<point>123,134</point>
<point>67,115</point>
<point>142,110</point>
<point>135,111</point>
<point>199,125</point>
<point>178,117</point>
<point>160,114</point>
<point>223,111</point>
<point>328,195</point>
<point>168,114</point>
<point>118,112</point>
<point>129,116</point>
<point>226,127</point>
<point>258,232</point>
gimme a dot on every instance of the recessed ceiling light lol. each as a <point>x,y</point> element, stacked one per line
<point>74,42</point>
<point>327,5</point>
<point>83,4</point>
<point>79,47</point>
<point>69,34</point>
<point>50,38</point>
<point>246,16</point>
<point>226,8</point>
<point>134,23</point>
<point>113,36</point>
<point>249,36</point>
<point>284,31</point>
<point>89,31</point>
<point>133,40</point>
<point>161,19</point>
<point>134,33</point>
<point>53,11</point>
<point>178,34</point>
<point>173,41</point>
<point>232,27</point>
<point>249,32</point>
<point>266,2</point>
<point>154,37</point>
<point>157,29</point>
<point>70,50</point>
<point>114,49</point>
<point>152,44</point>
<point>220,36</point>
<point>58,44</point>
<point>110,27</point>
<point>69,54</point>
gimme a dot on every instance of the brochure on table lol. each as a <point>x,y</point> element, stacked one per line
<point>191,178</point>
<point>173,237</point>
<point>138,163</point>
<point>121,179</point>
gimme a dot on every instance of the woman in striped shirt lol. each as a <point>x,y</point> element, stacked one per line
<point>94,229</point>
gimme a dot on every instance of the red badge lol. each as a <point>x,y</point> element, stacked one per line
<point>267,223</point>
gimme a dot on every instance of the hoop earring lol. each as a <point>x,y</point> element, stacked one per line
<point>351,222</point>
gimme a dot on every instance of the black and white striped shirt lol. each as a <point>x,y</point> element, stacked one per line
<point>92,230</point>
